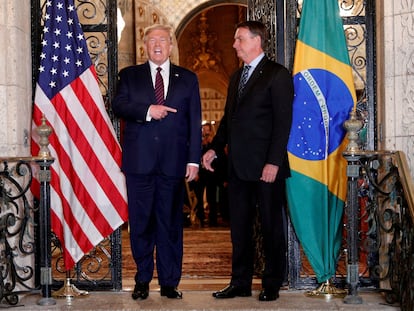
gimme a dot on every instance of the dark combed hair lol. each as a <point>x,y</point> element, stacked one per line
<point>257,29</point>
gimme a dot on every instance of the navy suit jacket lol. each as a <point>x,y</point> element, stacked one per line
<point>256,127</point>
<point>167,145</point>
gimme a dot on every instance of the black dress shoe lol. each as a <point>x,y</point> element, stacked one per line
<point>171,292</point>
<point>232,291</point>
<point>268,295</point>
<point>141,291</point>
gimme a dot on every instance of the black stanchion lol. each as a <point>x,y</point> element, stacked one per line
<point>45,241</point>
<point>352,155</point>
<point>45,160</point>
<point>352,226</point>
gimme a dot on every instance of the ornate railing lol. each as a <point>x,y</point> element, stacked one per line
<point>379,223</point>
<point>25,227</point>
<point>16,229</point>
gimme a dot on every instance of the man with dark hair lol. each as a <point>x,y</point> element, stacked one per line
<point>255,128</point>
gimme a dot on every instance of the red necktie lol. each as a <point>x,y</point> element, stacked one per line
<point>159,87</point>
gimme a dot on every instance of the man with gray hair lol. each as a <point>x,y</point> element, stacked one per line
<point>160,105</point>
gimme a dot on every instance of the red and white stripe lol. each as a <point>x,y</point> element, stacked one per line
<point>88,193</point>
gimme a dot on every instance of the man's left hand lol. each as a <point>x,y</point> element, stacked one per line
<point>269,173</point>
<point>191,172</point>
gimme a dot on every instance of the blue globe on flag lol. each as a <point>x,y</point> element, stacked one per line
<point>321,105</point>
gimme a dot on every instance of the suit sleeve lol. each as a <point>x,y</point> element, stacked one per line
<point>282,97</point>
<point>195,123</point>
<point>220,139</point>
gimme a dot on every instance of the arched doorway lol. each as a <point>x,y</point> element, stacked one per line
<point>205,45</point>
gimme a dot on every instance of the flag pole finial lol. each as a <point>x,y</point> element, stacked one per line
<point>352,126</point>
<point>44,132</point>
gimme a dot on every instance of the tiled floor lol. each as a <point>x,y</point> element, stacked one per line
<point>197,296</point>
<point>202,300</point>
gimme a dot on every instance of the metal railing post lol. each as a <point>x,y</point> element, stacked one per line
<point>352,226</point>
<point>45,233</point>
<point>352,125</point>
<point>45,160</point>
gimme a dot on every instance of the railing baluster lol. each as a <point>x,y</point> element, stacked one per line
<point>352,226</point>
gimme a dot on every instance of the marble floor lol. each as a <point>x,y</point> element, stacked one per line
<point>195,299</point>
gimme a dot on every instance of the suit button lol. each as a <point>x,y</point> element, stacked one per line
<point>155,137</point>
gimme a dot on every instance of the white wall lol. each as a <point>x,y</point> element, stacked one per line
<point>15,77</point>
<point>395,48</point>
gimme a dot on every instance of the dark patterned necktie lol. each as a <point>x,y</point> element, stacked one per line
<point>243,79</point>
<point>159,87</point>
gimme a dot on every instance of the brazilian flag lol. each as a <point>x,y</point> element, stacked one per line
<point>324,97</point>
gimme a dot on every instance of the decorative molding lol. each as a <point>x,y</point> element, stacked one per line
<point>204,56</point>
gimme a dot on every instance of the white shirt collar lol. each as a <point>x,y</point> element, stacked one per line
<point>165,66</point>
<point>255,61</point>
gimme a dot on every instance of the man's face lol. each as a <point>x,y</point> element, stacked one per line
<point>247,46</point>
<point>158,46</point>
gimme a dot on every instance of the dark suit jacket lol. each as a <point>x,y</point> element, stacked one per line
<point>256,127</point>
<point>166,145</point>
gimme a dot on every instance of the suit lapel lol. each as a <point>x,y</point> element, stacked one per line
<point>174,76</point>
<point>232,96</point>
<point>256,74</point>
<point>147,79</point>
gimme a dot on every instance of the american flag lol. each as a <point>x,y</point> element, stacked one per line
<point>88,193</point>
